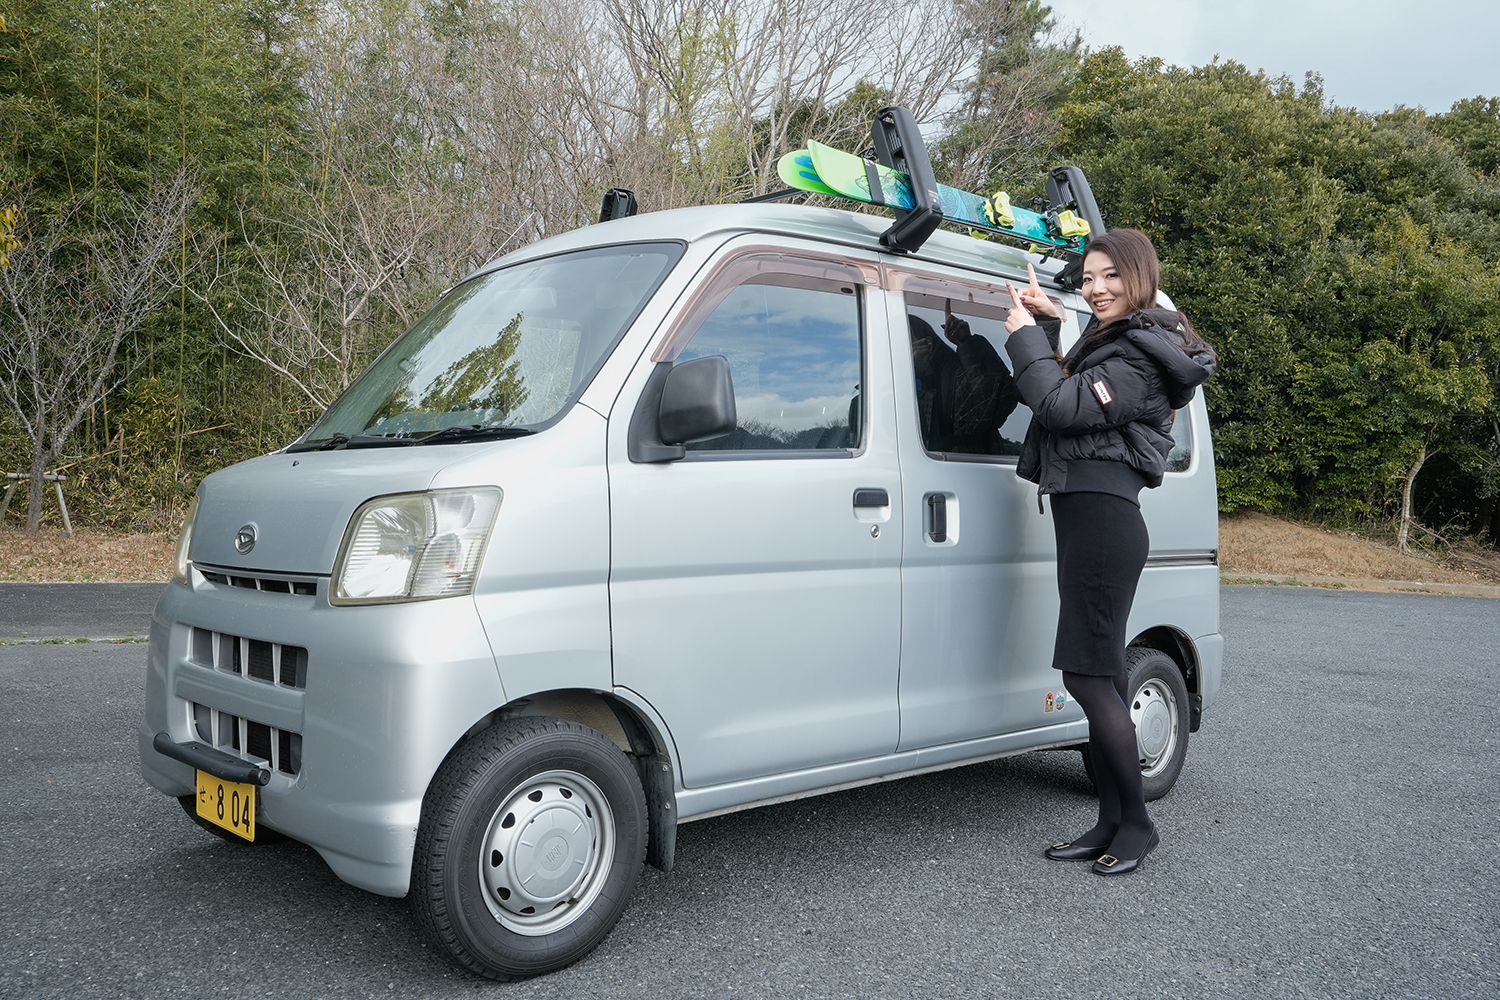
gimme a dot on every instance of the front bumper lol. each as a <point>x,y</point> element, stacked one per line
<point>387,692</point>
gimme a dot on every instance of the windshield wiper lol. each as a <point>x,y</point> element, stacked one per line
<point>475,432</point>
<point>353,441</point>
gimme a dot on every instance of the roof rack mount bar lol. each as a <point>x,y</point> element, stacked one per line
<point>781,195</point>
<point>899,145</point>
<point>619,203</point>
<point>1068,189</point>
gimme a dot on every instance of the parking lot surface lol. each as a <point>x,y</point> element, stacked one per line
<point>1333,835</point>
<point>76,610</point>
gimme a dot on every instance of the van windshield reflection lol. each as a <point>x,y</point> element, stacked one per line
<point>499,356</point>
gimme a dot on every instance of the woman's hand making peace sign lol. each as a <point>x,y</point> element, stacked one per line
<point>1030,302</point>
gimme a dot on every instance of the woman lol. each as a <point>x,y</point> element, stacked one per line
<point>1101,430</point>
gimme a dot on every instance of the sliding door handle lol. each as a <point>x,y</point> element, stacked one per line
<point>937,517</point>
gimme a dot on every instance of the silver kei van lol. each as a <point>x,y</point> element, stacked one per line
<point>669,516</point>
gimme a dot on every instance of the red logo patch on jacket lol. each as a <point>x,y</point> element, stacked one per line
<point>1102,391</point>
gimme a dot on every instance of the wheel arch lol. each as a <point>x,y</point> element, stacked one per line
<point>1181,650</point>
<point>630,729</point>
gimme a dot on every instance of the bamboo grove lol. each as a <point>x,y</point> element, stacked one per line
<point>214,213</point>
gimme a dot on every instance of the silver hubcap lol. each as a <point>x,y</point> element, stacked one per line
<point>1154,712</point>
<point>547,852</point>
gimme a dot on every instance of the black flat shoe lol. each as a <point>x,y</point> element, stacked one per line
<point>1108,864</point>
<point>1076,852</point>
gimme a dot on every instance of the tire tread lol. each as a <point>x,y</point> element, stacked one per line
<point>1135,656</point>
<point>458,780</point>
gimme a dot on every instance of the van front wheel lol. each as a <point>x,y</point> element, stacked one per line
<point>531,840</point>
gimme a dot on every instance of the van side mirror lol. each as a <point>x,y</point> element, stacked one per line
<point>697,401</point>
<point>681,404</point>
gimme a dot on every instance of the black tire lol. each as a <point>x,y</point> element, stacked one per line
<point>1159,708</point>
<point>263,834</point>
<point>506,907</point>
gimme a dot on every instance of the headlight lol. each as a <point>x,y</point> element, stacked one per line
<point>414,546</point>
<point>184,540</point>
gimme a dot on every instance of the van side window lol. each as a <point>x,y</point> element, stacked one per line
<point>1181,455</point>
<point>794,351</point>
<point>967,401</point>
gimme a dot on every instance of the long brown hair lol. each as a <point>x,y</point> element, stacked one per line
<point>1135,259</point>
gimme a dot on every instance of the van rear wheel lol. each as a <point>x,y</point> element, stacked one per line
<point>1159,708</point>
<point>531,840</point>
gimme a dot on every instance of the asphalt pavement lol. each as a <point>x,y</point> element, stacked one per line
<point>1333,835</point>
<point>77,610</point>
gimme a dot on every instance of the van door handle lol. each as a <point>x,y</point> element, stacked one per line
<point>937,517</point>
<point>871,497</point>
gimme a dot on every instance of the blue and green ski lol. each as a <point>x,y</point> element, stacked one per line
<point>821,169</point>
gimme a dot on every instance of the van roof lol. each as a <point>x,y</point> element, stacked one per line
<point>828,225</point>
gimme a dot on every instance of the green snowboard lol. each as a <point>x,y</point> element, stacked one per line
<point>822,169</point>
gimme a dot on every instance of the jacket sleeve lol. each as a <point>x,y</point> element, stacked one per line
<point>1109,394</point>
<point>1052,327</point>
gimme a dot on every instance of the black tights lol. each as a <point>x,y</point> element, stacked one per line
<point>1123,822</point>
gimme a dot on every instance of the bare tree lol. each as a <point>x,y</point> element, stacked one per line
<point>1004,128</point>
<point>73,291</point>
<point>808,55</point>
<point>726,89</point>
<point>306,310</point>
<point>440,141</point>
<point>434,148</point>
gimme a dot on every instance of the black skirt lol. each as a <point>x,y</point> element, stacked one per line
<point>1101,549</point>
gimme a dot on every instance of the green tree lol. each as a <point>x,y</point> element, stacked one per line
<point>1341,263</point>
<point>1220,166</point>
<point>100,103</point>
<point>1473,126</point>
<point>1407,331</point>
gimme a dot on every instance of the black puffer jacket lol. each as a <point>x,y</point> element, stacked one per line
<point>1107,428</point>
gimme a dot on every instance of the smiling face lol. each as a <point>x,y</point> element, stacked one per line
<point>1103,288</point>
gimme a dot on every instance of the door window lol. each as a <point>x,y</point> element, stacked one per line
<point>967,401</point>
<point>1181,456</point>
<point>793,344</point>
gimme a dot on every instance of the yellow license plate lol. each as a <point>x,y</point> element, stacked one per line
<point>229,804</point>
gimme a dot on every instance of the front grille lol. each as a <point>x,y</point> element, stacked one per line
<point>256,581</point>
<point>279,748</point>
<point>271,662</point>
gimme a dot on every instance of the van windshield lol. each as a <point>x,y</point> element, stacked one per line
<point>499,355</point>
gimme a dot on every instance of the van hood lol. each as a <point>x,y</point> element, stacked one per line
<point>300,504</point>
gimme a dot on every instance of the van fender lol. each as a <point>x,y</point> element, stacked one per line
<point>629,728</point>
<point>1182,650</point>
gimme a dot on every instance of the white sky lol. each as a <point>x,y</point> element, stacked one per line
<point>1372,54</point>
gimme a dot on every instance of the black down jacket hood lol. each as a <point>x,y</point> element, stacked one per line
<point>1107,427</point>
<point>1158,333</point>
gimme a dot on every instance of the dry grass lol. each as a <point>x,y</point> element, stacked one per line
<point>87,557</point>
<point>1255,543</point>
<point>1249,544</point>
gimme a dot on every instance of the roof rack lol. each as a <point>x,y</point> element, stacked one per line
<point>896,173</point>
